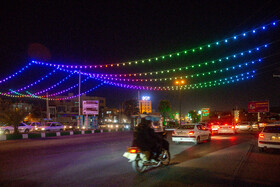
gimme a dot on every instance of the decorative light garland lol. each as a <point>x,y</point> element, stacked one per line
<point>227,80</point>
<point>53,86</point>
<point>177,54</point>
<point>34,83</point>
<point>90,90</point>
<point>16,73</point>
<point>222,70</point>
<point>67,89</point>
<point>199,65</point>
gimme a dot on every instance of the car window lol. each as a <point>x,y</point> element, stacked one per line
<point>186,127</point>
<point>199,127</point>
<point>48,124</point>
<point>272,129</point>
<point>21,125</point>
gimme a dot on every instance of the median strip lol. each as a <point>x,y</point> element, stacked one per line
<point>51,134</point>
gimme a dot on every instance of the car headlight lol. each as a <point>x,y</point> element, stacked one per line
<point>70,127</point>
<point>84,127</point>
<point>43,129</point>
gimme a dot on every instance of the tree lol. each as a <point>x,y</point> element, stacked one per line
<point>195,116</point>
<point>12,117</point>
<point>131,107</point>
<point>164,108</point>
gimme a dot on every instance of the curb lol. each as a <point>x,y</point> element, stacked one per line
<point>4,137</point>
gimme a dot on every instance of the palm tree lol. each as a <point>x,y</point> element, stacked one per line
<point>12,117</point>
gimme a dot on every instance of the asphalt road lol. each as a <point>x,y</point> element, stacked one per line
<point>96,160</point>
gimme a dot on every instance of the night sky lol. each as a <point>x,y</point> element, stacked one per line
<point>102,32</point>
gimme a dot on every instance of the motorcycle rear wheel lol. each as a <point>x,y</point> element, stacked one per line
<point>138,166</point>
<point>165,157</point>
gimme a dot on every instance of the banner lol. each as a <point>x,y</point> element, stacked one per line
<point>258,106</point>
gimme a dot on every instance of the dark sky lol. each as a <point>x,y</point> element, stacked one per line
<point>100,32</point>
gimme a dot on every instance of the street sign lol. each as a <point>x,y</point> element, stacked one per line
<point>205,111</point>
<point>90,107</point>
<point>258,106</point>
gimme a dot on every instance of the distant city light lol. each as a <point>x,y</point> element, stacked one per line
<point>146,98</point>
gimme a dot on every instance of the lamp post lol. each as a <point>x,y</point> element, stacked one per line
<point>180,83</point>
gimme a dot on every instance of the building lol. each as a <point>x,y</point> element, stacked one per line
<point>145,105</point>
<point>111,115</point>
<point>67,110</point>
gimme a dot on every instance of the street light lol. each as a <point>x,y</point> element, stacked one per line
<point>180,83</point>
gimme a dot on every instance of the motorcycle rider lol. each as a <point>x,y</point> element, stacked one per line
<point>147,140</point>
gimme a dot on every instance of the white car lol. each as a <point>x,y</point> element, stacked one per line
<point>269,137</point>
<point>226,128</point>
<point>22,127</point>
<point>51,126</point>
<point>35,126</point>
<point>191,133</point>
<point>243,126</point>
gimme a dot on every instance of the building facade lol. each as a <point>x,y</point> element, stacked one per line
<point>145,106</point>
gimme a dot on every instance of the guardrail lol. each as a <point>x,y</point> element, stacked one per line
<point>53,134</point>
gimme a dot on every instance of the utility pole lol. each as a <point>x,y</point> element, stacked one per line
<point>48,110</point>
<point>79,92</point>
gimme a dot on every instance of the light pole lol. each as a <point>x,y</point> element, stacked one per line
<point>180,83</point>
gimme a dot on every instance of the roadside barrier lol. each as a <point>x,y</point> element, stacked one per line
<point>4,137</point>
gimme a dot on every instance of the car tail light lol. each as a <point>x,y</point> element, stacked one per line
<point>173,132</point>
<point>261,135</point>
<point>191,132</point>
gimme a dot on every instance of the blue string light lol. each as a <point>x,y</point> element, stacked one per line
<point>16,73</point>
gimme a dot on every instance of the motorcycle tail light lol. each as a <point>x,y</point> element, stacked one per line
<point>133,151</point>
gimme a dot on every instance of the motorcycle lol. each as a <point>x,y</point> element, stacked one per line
<point>140,161</point>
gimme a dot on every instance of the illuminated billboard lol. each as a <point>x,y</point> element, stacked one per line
<point>258,106</point>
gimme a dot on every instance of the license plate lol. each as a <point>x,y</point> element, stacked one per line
<point>130,156</point>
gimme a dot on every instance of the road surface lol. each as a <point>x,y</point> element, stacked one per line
<point>96,160</point>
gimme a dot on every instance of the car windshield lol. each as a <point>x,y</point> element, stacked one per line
<point>272,129</point>
<point>187,127</point>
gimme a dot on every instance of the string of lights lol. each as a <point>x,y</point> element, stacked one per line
<point>227,80</point>
<point>55,85</point>
<point>16,73</point>
<point>198,65</point>
<point>67,89</point>
<point>34,83</point>
<point>222,70</point>
<point>174,54</point>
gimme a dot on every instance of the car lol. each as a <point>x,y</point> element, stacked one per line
<point>52,126</point>
<point>226,128</point>
<point>194,133</point>
<point>206,125</point>
<point>214,127</point>
<point>5,129</point>
<point>269,137</point>
<point>35,126</point>
<point>255,126</point>
<point>243,126</point>
<point>22,127</point>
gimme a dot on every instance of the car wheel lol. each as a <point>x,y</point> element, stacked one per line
<point>197,140</point>
<point>48,131</point>
<point>209,138</point>
<point>261,149</point>
<point>61,130</point>
<point>6,132</point>
<point>26,131</point>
